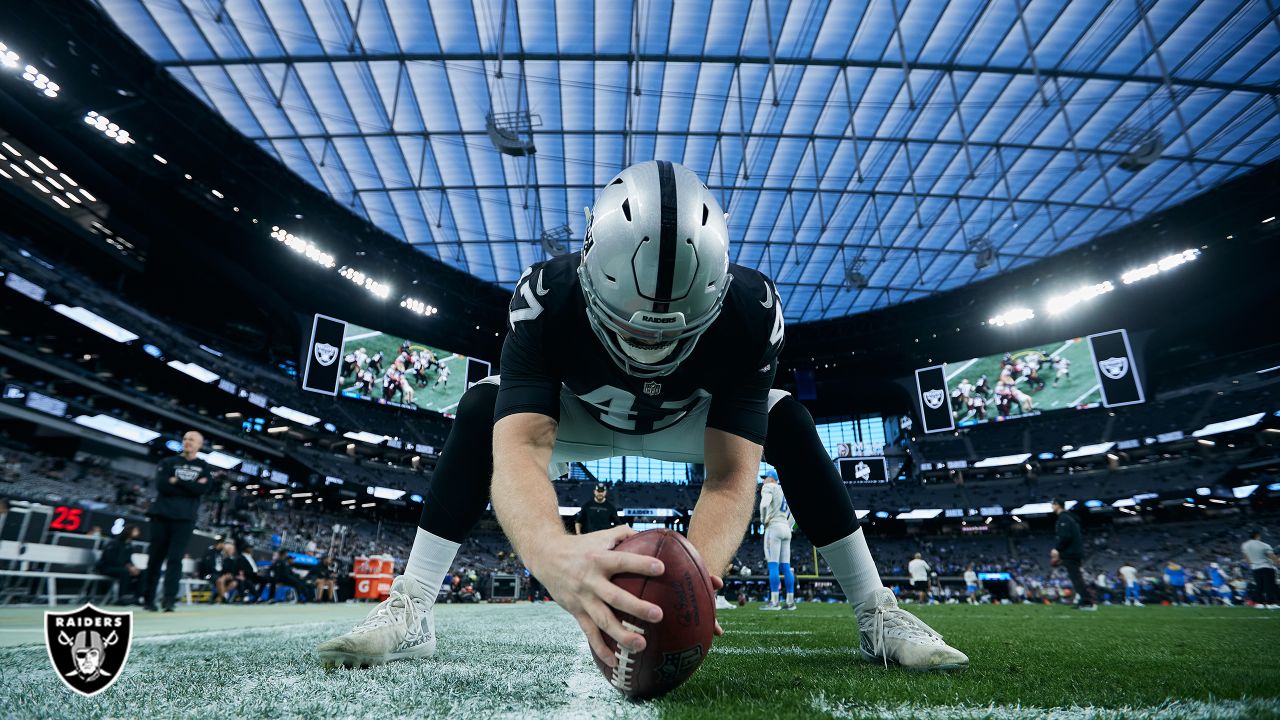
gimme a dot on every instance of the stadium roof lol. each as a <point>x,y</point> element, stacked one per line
<point>897,138</point>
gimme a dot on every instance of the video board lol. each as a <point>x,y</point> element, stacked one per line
<point>365,364</point>
<point>1076,373</point>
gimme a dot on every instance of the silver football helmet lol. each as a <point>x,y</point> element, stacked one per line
<point>655,266</point>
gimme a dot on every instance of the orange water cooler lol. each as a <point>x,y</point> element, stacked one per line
<point>373,577</point>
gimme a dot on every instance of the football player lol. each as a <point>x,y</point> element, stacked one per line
<point>375,362</point>
<point>647,343</point>
<point>442,377</point>
<point>776,518</point>
<point>392,383</point>
<point>352,362</point>
<point>1062,370</point>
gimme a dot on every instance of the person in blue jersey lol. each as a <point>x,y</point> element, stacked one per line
<point>1176,578</point>
<point>648,342</point>
<point>775,517</point>
<point>1219,585</point>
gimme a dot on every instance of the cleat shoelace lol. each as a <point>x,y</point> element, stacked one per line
<point>397,608</point>
<point>890,618</point>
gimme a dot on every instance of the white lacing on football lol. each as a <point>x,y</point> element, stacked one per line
<point>621,678</point>
<point>887,619</point>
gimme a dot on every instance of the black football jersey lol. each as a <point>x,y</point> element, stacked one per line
<point>550,344</point>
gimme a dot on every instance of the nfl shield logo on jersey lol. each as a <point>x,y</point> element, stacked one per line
<point>1114,367</point>
<point>652,388</point>
<point>88,647</point>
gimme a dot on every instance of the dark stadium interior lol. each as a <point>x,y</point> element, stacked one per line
<point>177,253</point>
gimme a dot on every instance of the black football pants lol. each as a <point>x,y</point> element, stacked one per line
<point>1083,589</point>
<point>459,490</point>
<point>1264,582</point>
<point>169,540</point>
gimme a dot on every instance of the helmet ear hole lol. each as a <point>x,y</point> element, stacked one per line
<point>706,213</point>
<point>626,208</point>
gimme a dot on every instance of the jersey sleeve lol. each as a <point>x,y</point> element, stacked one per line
<point>740,405</point>
<point>529,380</point>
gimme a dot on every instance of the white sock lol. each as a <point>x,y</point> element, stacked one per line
<point>850,561</point>
<point>791,598</point>
<point>429,561</point>
<point>773,598</point>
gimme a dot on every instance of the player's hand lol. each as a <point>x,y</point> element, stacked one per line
<point>577,571</point>
<point>173,481</point>
<point>717,584</point>
<point>203,480</point>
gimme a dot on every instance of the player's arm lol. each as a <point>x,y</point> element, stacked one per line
<point>724,507</point>
<point>575,569</point>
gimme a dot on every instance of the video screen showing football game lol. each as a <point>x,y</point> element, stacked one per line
<point>1053,376</point>
<point>391,370</point>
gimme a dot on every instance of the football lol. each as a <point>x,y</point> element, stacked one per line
<point>676,646</point>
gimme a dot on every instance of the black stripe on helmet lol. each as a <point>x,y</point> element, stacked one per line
<point>667,239</point>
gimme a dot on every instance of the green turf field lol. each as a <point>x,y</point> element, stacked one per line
<point>1080,388</point>
<point>444,398</point>
<point>530,661</point>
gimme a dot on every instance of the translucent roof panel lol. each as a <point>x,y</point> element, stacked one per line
<point>894,137</point>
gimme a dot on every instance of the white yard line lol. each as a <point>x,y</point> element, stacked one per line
<point>361,336</point>
<point>1168,710</point>
<point>961,369</point>
<point>1065,345</point>
<point>1086,394</point>
<point>591,696</point>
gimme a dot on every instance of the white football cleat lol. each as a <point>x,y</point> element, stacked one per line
<point>401,627</point>
<point>892,635</point>
<point>788,606</point>
<point>771,606</point>
<point>723,604</point>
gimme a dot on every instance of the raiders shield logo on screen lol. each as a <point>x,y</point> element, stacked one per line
<point>326,354</point>
<point>933,398</point>
<point>1114,367</point>
<point>862,471</point>
<point>88,647</point>
<point>931,386</point>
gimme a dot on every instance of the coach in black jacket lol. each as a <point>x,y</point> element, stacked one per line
<point>1069,552</point>
<point>180,482</point>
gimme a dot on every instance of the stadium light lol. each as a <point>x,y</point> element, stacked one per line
<point>1012,317</point>
<point>415,305</point>
<point>1161,265</point>
<point>303,247</point>
<point>379,289</point>
<point>1061,303</point>
<point>104,125</point>
<point>41,82</point>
